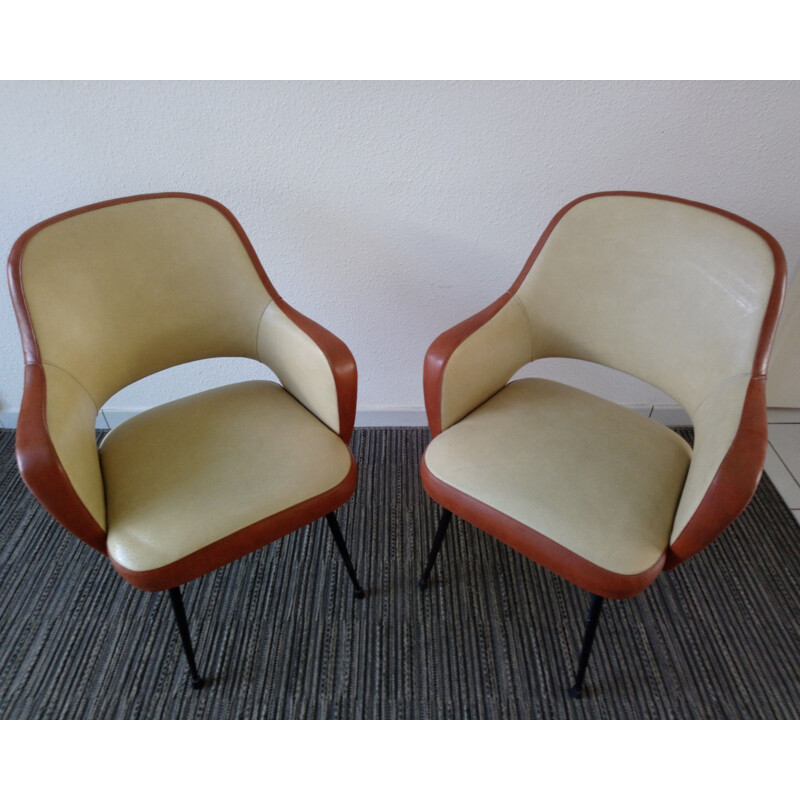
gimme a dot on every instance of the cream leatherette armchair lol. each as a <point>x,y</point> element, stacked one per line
<point>110,293</point>
<point>679,294</point>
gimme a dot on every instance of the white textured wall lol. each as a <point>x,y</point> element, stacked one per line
<point>390,211</point>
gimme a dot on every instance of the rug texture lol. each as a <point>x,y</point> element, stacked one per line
<point>279,634</point>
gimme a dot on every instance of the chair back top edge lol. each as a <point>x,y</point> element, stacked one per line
<point>680,294</point>
<point>118,290</point>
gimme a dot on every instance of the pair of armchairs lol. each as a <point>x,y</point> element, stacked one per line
<point>679,294</point>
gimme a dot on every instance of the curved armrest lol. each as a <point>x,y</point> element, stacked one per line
<point>57,452</point>
<point>473,360</point>
<point>315,366</point>
<point>730,445</point>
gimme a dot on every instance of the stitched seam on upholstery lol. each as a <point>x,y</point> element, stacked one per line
<point>528,320</point>
<point>258,328</point>
<point>68,373</point>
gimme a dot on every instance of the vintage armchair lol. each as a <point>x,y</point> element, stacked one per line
<point>679,294</point>
<point>110,293</point>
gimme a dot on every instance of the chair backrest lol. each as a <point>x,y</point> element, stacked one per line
<point>681,295</point>
<point>116,292</point>
<point>108,294</point>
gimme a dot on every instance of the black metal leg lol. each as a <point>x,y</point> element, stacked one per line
<point>588,638</point>
<point>437,543</point>
<point>333,524</point>
<point>183,628</point>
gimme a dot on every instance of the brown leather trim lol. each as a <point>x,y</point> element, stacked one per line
<point>773,312</point>
<point>762,352</point>
<point>341,361</point>
<point>38,463</point>
<point>738,476</point>
<point>439,354</point>
<point>243,541</point>
<point>41,469</point>
<point>30,348</point>
<point>735,482</point>
<point>740,471</point>
<point>536,546</point>
<point>36,457</point>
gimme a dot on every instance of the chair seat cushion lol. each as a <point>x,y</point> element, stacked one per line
<point>198,482</point>
<point>584,486</point>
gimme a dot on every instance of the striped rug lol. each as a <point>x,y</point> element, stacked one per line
<point>280,636</point>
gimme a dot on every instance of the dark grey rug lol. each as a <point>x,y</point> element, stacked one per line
<point>280,635</point>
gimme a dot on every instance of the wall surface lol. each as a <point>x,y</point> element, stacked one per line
<point>390,211</point>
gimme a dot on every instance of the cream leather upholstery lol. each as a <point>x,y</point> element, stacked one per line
<point>485,361</point>
<point>111,293</point>
<point>71,415</point>
<point>592,476</point>
<point>689,282</point>
<point>692,284</point>
<point>211,464</point>
<point>154,283</point>
<point>680,295</point>
<point>299,363</point>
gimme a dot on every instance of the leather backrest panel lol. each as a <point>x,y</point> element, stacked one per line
<point>106,295</point>
<point>300,365</point>
<point>716,423</point>
<point>667,291</point>
<point>487,357</point>
<point>70,419</point>
<point>685,297</point>
<point>122,291</point>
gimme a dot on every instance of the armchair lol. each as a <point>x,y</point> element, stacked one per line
<point>110,293</point>
<point>679,294</point>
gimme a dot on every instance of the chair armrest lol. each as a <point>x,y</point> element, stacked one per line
<point>730,445</point>
<point>57,452</point>
<point>313,365</point>
<point>473,360</point>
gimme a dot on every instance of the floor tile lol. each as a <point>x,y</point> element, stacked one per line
<point>783,414</point>
<point>786,485</point>
<point>785,438</point>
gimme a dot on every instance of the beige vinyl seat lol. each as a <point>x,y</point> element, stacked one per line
<point>679,294</point>
<point>110,293</point>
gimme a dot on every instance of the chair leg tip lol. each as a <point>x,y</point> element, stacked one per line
<point>359,594</point>
<point>422,583</point>
<point>576,692</point>
<point>198,683</point>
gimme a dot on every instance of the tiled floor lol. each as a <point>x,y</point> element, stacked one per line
<point>783,456</point>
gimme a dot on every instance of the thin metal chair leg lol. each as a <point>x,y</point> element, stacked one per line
<point>588,638</point>
<point>333,524</point>
<point>183,628</point>
<point>437,543</point>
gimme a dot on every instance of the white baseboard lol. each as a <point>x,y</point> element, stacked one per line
<point>670,415</point>
<point>114,416</point>
<point>391,418</point>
